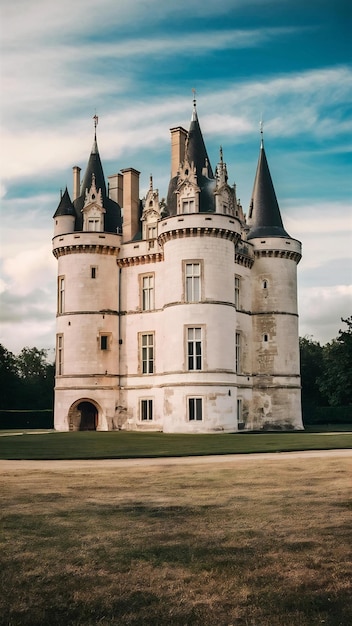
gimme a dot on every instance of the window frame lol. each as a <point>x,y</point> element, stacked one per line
<point>104,341</point>
<point>238,352</point>
<point>237,291</point>
<point>195,348</point>
<point>146,409</point>
<point>147,294</point>
<point>192,282</point>
<point>59,354</point>
<point>195,409</point>
<point>61,294</point>
<point>147,353</point>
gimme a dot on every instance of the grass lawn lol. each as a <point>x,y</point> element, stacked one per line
<point>100,445</point>
<point>244,543</point>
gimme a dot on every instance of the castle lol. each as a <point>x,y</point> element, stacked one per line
<point>176,315</point>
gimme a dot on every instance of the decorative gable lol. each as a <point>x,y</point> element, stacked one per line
<point>93,210</point>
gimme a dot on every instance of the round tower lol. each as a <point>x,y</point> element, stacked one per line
<point>86,244</point>
<point>276,403</point>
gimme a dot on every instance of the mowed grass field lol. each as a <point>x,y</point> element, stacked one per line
<point>248,541</point>
<point>100,445</point>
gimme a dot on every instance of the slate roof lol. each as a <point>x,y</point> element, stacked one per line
<point>196,153</point>
<point>264,217</point>
<point>112,218</point>
<point>65,205</point>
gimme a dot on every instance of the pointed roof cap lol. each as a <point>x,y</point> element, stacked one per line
<point>95,169</point>
<point>264,217</point>
<point>196,151</point>
<point>65,205</point>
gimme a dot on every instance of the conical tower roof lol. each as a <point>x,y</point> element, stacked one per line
<point>264,217</point>
<point>94,169</point>
<point>196,151</point>
<point>65,205</point>
<point>196,155</point>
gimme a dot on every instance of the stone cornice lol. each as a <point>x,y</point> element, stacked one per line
<point>279,254</point>
<point>243,259</point>
<point>84,248</point>
<point>142,259</point>
<point>201,231</point>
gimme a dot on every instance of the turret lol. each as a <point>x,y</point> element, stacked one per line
<point>64,215</point>
<point>191,189</point>
<point>276,369</point>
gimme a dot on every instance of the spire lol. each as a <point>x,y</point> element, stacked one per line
<point>94,173</point>
<point>264,217</point>
<point>94,167</point>
<point>196,151</point>
<point>65,205</point>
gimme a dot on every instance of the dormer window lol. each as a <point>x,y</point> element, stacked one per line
<point>188,205</point>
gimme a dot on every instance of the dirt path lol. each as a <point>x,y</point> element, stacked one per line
<point>57,466</point>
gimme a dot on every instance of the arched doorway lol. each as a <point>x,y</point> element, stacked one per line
<point>89,416</point>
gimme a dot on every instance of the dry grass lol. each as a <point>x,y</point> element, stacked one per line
<point>265,544</point>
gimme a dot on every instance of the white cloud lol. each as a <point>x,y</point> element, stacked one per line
<point>321,310</point>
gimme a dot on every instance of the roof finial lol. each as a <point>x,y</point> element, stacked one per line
<point>261,126</point>
<point>96,119</point>
<point>221,155</point>
<point>151,182</point>
<point>194,114</point>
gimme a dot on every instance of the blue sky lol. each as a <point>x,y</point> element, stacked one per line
<point>135,64</point>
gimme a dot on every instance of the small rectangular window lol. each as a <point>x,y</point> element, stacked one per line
<point>195,409</point>
<point>194,348</point>
<point>146,410</point>
<point>59,354</point>
<point>238,353</point>
<point>237,292</point>
<point>93,272</point>
<point>148,292</point>
<point>193,286</point>
<point>147,353</point>
<point>104,342</point>
<point>188,206</point>
<point>61,294</point>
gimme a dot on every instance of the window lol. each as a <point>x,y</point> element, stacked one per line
<point>237,292</point>
<point>239,410</point>
<point>192,274</point>
<point>147,353</point>
<point>93,272</point>
<point>104,342</point>
<point>152,232</point>
<point>194,348</point>
<point>238,352</point>
<point>195,409</point>
<point>265,337</point>
<point>239,413</point>
<point>188,206</point>
<point>148,292</point>
<point>59,354</point>
<point>94,224</point>
<point>146,410</point>
<point>61,294</point>
<point>265,284</point>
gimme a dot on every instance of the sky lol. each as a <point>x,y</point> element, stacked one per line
<point>134,63</point>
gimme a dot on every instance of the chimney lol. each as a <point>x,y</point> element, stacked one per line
<point>76,182</point>
<point>130,203</point>
<point>178,146</point>
<point>116,188</point>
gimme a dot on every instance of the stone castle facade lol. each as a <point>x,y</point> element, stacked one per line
<point>177,315</point>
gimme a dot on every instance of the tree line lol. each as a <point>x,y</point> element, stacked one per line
<point>27,380</point>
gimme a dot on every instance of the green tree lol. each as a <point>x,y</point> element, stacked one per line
<point>37,378</point>
<point>311,356</point>
<point>9,379</point>
<point>336,379</point>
